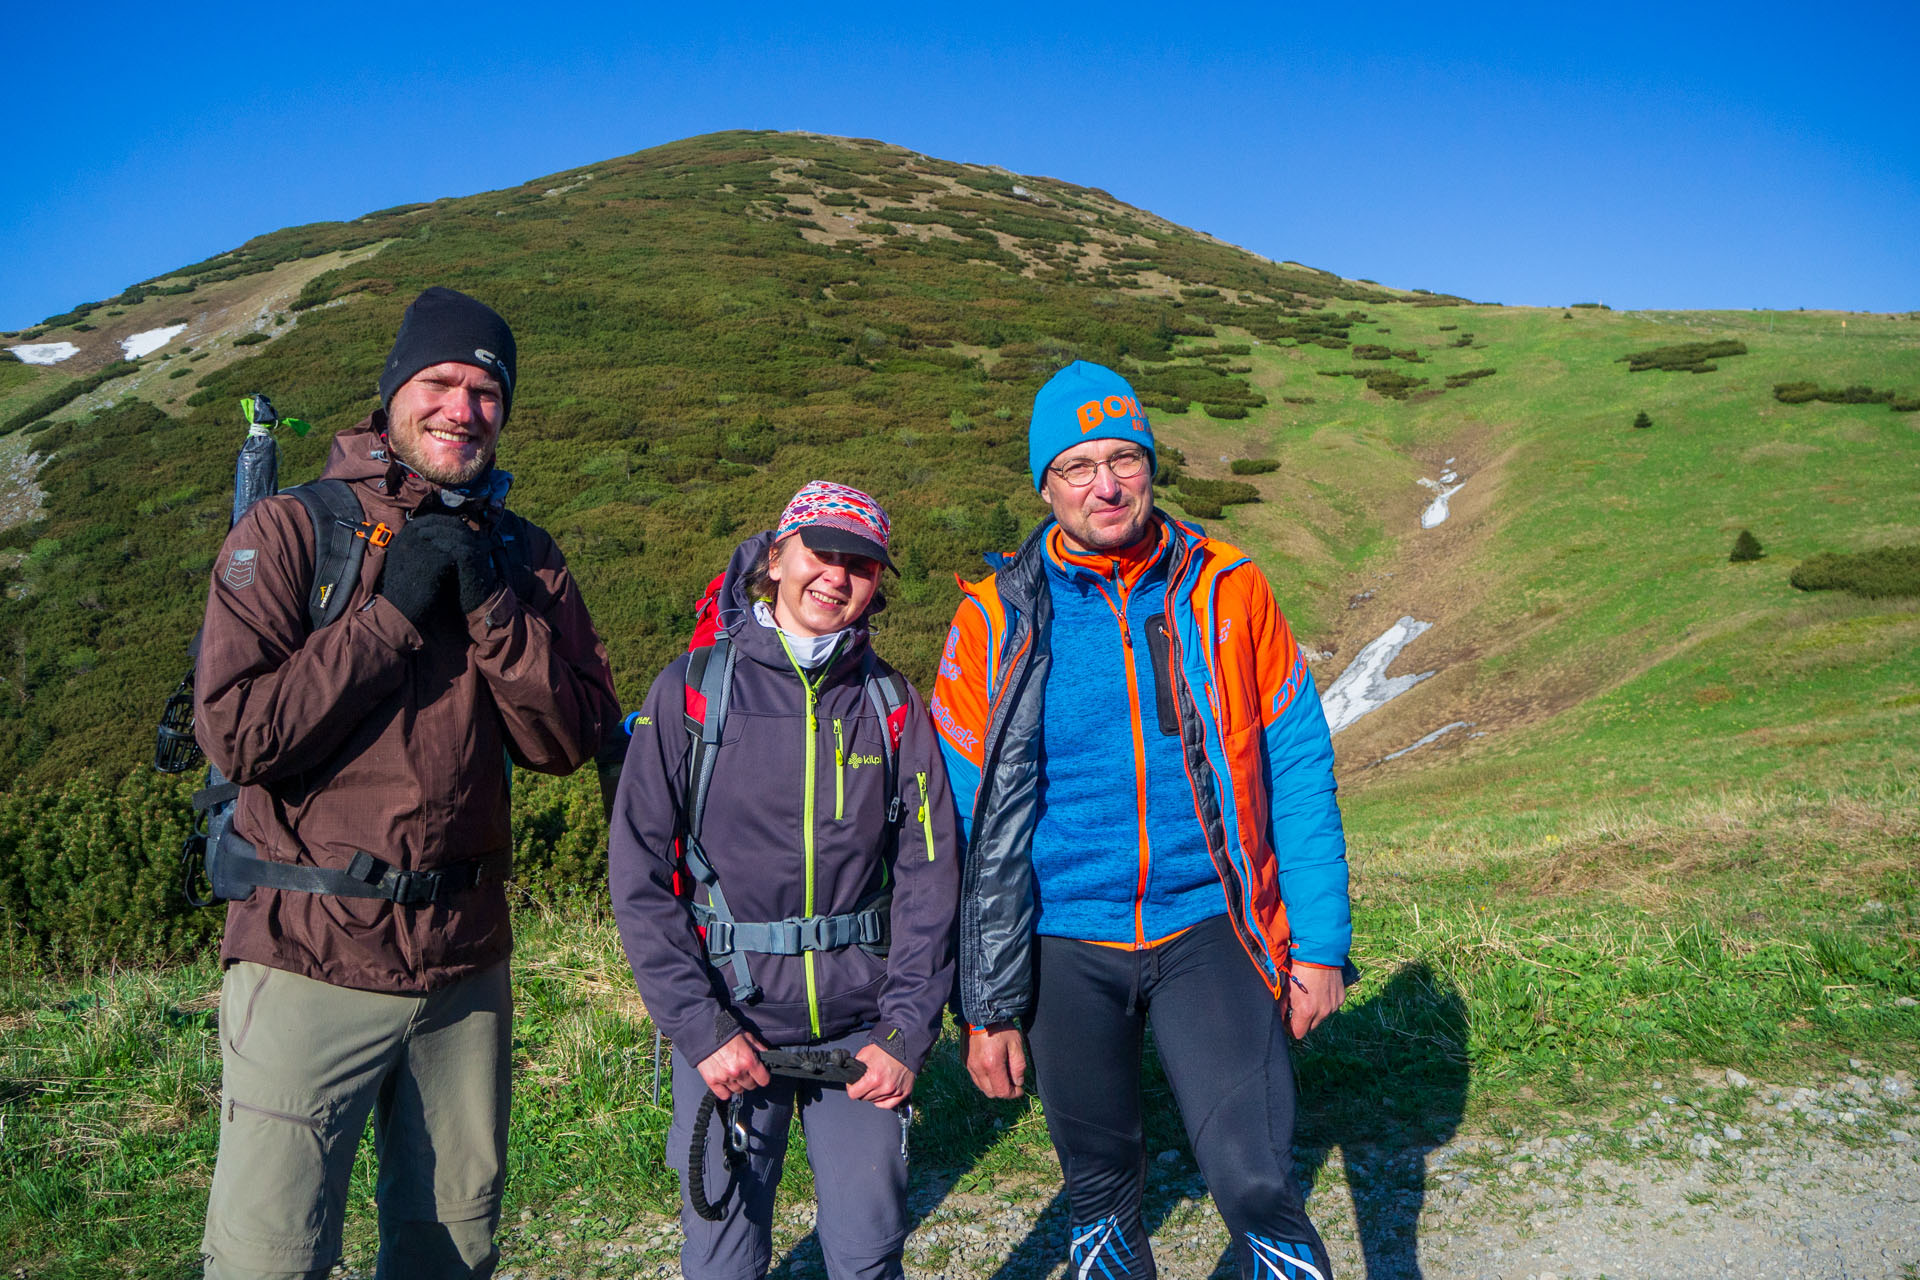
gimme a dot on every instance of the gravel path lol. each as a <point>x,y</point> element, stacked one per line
<point>1721,1178</point>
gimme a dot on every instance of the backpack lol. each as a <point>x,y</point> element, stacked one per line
<point>709,689</point>
<point>231,866</point>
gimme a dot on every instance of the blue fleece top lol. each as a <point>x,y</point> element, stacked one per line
<point>1104,755</point>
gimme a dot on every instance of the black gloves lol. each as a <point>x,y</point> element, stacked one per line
<point>427,552</point>
<point>472,554</point>
<point>416,569</point>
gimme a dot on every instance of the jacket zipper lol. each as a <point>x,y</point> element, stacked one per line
<point>807,818</point>
<point>839,773</point>
<point>1139,766</point>
<point>926,814</point>
<point>1222,865</point>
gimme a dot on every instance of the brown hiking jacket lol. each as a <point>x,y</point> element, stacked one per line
<point>373,735</point>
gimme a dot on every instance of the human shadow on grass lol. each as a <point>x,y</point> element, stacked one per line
<point>1384,1081</point>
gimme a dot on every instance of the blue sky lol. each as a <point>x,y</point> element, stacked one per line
<point>1666,156</point>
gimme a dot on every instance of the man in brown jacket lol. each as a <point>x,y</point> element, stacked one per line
<point>380,745</point>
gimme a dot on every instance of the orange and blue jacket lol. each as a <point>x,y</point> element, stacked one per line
<point>1135,745</point>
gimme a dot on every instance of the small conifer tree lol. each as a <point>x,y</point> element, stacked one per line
<point>1641,420</point>
<point>1745,547</point>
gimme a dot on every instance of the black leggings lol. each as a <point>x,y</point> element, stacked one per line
<point>1223,1043</point>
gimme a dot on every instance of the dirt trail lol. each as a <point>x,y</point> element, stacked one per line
<point>1723,1178</point>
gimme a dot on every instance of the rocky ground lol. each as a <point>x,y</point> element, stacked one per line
<point>1722,1177</point>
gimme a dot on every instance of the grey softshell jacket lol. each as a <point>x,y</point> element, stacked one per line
<point>779,775</point>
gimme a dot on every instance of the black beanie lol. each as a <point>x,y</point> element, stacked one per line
<point>446,325</point>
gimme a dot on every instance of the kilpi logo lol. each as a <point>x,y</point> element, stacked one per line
<point>856,760</point>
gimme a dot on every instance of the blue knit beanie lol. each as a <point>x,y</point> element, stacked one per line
<point>1084,401</point>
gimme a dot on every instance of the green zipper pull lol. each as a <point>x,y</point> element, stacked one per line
<point>926,814</point>
<point>839,772</point>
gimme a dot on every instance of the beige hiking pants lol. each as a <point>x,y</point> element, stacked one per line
<point>305,1064</point>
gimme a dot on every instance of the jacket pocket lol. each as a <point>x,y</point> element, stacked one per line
<point>1159,650</point>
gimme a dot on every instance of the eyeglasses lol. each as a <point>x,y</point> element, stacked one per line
<point>1124,465</point>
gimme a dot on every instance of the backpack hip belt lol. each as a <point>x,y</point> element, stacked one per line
<point>867,928</point>
<point>234,867</point>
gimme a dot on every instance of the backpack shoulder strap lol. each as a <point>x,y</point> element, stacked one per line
<point>338,548</point>
<point>888,694</point>
<point>709,690</point>
<point>515,550</point>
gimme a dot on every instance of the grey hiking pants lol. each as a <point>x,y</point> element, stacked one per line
<point>859,1177</point>
<point>305,1063</point>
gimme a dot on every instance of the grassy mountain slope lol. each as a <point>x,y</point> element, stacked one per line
<point>691,354</point>
<point>707,324</point>
<point>1681,829</point>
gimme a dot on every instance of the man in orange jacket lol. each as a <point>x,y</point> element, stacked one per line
<point>1145,782</point>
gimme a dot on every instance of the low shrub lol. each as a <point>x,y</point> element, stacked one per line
<point>1746,547</point>
<point>249,339</point>
<point>1224,492</point>
<point>1883,572</point>
<point>1226,411</point>
<point>1383,382</point>
<point>1201,508</point>
<point>1641,420</point>
<point>1458,380</point>
<point>1857,393</point>
<point>1255,466</point>
<point>1683,357</point>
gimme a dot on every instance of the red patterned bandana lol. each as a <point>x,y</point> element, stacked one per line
<point>823,505</point>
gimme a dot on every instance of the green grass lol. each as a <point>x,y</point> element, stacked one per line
<point>1522,977</point>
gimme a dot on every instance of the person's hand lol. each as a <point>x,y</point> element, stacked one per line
<point>997,1061</point>
<point>1314,994</point>
<point>416,569</point>
<point>735,1067</point>
<point>887,1082</point>
<point>468,550</point>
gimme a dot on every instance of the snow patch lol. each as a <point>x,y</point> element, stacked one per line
<point>45,352</point>
<point>1365,686</point>
<point>150,341</point>
<point>1436,512</point>
<point>1435,736</point>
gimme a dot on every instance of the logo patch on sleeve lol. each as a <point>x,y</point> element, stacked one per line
<point>239,571</point>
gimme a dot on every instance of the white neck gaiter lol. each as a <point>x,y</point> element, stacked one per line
<point>808,651</point>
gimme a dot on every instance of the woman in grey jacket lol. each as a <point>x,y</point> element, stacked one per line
<point>823,873</point>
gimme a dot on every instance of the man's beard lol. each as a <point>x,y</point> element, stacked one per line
<point>401,439</point>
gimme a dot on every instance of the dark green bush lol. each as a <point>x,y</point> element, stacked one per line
<point>1224,492</point>
<point>1458,380</point>
<point>1885,571</point>
<point>1641,420</point>
<point>1745,547</point>
<point>1200,508</point>
<point>1805,392</point>
<point>1255,466</point>
<point>249,339</point>
<point>1226,411</point>
<point>1683,357</point>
